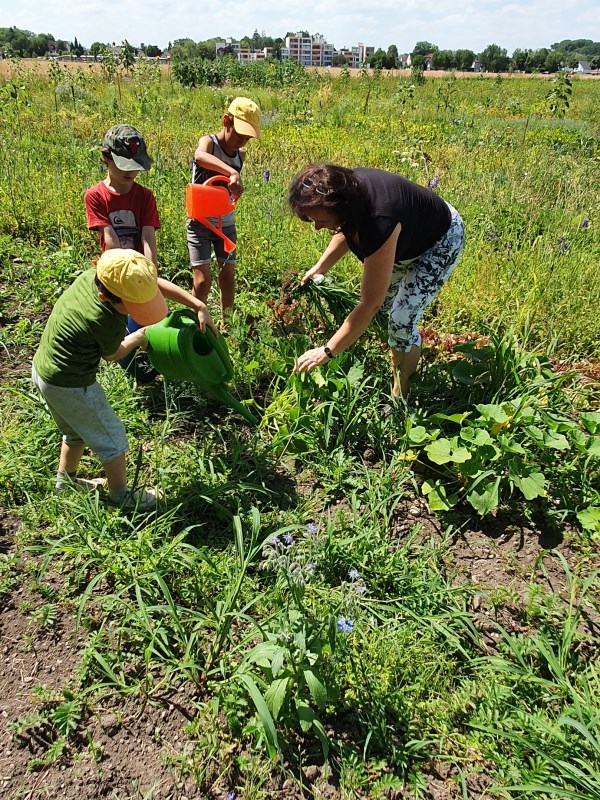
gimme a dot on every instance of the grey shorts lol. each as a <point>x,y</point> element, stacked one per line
<point>200,240</point>
<point>85,415</point>
<point>415,284</point>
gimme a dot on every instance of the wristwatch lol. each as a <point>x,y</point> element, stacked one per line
<point>328,352</point>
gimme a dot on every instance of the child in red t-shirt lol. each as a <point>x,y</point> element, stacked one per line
<point>124,213</point>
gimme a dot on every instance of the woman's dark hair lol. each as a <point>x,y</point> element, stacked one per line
<point>108,294</point>
<point>334,189</point>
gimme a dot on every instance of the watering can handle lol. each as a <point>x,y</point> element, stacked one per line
<point>216,178</point>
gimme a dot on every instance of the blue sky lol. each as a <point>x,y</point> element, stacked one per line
<point>449,24</point>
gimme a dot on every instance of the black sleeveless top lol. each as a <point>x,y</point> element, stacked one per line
<point>423,216</point>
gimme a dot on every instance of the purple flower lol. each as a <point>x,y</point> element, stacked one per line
<point>493,235</point>
<point>345,625</point>
<point>288,538</point>
<point>359,588</point>
<point>354,574</point>
<point>231,795</point>
<point>274,541</point>
<point>434,182</point>
<point>101,168</point>
<point>267,175</point>
<point>312,528</point>
<point>585,224</point>
<point>312,565</point>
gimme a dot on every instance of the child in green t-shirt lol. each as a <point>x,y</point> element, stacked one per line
<point>88,323</point>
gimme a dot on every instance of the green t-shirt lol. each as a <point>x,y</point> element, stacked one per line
<point>81,329</point>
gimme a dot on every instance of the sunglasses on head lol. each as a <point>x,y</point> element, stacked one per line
<point>315,187</point>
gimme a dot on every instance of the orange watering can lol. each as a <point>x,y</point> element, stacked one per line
<point>204,200</point>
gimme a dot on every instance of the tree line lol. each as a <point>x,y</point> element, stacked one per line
<point>566,53</point>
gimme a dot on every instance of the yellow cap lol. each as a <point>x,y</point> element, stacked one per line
<point>133,279</point>
<point>246,117</point>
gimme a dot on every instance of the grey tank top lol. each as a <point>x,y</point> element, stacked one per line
<point>201,174</point>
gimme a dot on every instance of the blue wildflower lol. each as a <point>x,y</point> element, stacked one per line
<point>585,224</point>
<point>345,625</point>
<point>359,588</point>
<point>312,528</point>
<point>288,538</point>
<point>267,175</point>
<point>101,168</point>
<point>434,182</point>
<point>354,574</point>
<point>231,795</point>
<point>274,541</point>
<point>312,565</point>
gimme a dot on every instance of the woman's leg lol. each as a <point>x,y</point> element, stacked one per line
<point>413,288</point>
<point>404,365</point>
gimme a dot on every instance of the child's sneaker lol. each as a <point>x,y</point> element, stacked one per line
<point>79,484</point>
<point>135,500</point>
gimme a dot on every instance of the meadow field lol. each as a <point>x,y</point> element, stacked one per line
<point>349,599</point>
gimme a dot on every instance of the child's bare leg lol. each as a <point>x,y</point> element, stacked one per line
<point>202,281</point>
<point>70,456</point>
<point>404,365</point>
<point>226,287</point>
<point>116,476</point>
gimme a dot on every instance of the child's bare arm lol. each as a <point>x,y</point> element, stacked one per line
<point>129,343</point>
<point>111,240</point>
<point>204,157</point>
<point>173,292</point>
<point>149,243</point>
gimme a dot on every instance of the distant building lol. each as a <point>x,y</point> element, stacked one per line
<point>358,56</point>
<point>228,47</point>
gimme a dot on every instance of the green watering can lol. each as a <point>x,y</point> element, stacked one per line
<point>181,352</point>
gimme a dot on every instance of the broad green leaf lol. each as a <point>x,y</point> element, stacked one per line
<point>591,421</point>
<point>477,436</point>
<point>531,483</point>
<point>418,434</point>
<point>355,374</point>
<point>556,441</point>
<point>593,447</point>
<point>492,411</point>
<point>317,689</point>
<point>468,373</point>
<point>458,418</point>
<point>276,694</point>
<point>485,497</point>
<point>436,496</point>
<point>589,518</point>
<point>306,715</point>
<point>444,450</point>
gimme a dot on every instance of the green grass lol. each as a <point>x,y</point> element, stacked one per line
<point>281,577</point>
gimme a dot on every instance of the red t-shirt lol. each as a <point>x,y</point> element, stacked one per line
<point>126,213</point>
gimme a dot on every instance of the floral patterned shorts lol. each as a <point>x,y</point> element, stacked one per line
<point>415,284</point>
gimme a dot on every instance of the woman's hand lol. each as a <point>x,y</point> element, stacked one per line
<point>311,359</point>
<point>316,270</point>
